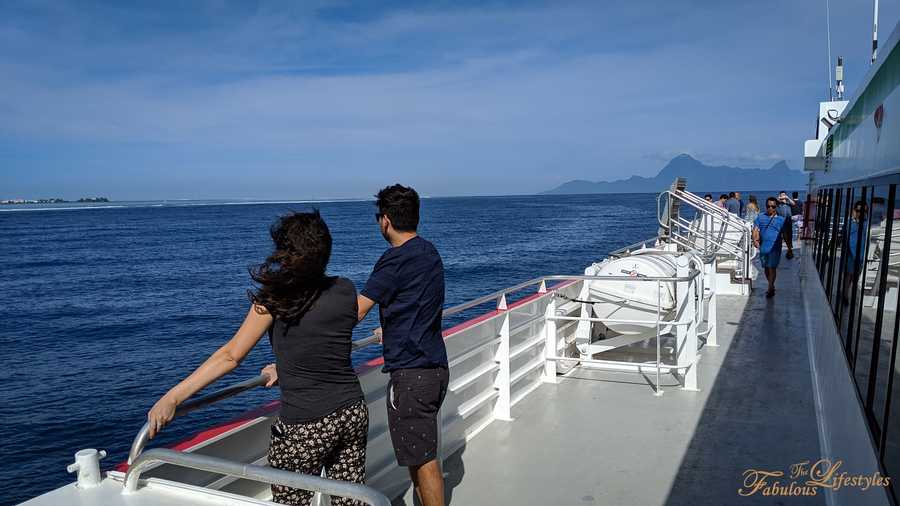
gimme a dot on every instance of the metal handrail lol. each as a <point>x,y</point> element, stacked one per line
<point>693,273</point>
<point>728,220</point>
<point>143,436</point>
<point>253,472</point>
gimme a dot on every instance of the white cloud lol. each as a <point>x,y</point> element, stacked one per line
<point>547,94</point>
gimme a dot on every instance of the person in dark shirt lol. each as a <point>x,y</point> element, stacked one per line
<point>407,283</point>
<point>324,420</point>
<point>784,210</point>
<point>733,204</point>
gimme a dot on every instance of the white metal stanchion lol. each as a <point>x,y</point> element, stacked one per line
<point>549,375</point>
<point>504,402</point>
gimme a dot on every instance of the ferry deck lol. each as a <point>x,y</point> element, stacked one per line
<point>730,390</point>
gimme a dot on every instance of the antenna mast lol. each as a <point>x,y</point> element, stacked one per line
<point>828,37</point>
<point>875,34</point>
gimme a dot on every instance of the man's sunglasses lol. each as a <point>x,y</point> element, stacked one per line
<point>771,207</point>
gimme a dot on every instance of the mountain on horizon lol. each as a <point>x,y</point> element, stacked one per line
<point>700,177</point>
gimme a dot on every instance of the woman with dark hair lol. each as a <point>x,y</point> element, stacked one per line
<point>309,316</point>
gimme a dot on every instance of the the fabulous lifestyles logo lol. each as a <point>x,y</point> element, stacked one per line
<point>807,479</point>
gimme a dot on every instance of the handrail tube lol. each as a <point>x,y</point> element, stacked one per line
<point>143,436</point>
<point>253,472</point>
<point>561,277</point>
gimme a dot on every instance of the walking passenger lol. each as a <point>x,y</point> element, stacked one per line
<point>768,230</point>
<point>309,317</point>
<point>722,199</point>
<point>733,204</point>
<point>407,283</point>
<point>785,205</point>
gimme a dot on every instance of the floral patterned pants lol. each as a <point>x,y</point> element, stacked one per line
<point>335,442</point>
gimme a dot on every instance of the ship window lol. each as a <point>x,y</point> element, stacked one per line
<point>858,268</point>
<point>822,235</point>
<point>870,355</point>
<point>833,244</point>
<point>819,213</point>
<point>839,266</point>
<point>884,398</point>
<point>827,252</point>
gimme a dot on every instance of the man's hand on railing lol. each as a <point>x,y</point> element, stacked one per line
<point>271,373</point>
<point>160,414</point>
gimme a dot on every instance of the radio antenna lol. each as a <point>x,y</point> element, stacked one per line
<point>875,34</point>
<point>828,37</point>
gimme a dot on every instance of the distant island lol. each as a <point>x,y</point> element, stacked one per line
<point>700,178</point>
<point>83,200</point>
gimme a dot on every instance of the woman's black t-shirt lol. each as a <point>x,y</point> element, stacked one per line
<point>313,356</point>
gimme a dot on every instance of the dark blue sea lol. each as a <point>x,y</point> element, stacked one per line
<point>103,308</point>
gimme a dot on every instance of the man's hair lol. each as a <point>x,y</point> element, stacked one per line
<point>731,195</point>
<point>723,196</point>
<point>401,205</point>
<point>708,195</point>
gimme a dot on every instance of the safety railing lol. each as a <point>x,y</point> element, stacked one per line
<point>143,435</point>
<point>252,472</point>
<point>505,354</point>
<point>708,233</point>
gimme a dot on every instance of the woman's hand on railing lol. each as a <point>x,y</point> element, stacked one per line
<point>271,373</point>
<point>160,414</point>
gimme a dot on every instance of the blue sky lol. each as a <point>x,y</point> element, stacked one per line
<point>302,100</point>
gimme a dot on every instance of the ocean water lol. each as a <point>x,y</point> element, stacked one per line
<point>105,307</point>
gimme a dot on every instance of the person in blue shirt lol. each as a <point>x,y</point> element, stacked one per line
<point>407,283</point>
<point>768,230</point>
<point>856,246</point>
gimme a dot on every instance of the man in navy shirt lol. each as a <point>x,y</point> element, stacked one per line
<point>407,283</point>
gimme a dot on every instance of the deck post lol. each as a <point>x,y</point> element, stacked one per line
<point>686,331</point>
<point>549,375</point>
<point>583,327</point>
<point>501,383</point>
<point>712,338</point>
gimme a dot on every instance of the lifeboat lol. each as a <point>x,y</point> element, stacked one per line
<point>634,298</point>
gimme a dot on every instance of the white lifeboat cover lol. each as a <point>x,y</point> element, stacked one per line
<point>652,265</point>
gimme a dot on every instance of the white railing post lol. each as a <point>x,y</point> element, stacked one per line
<point>549,375</point>
<point>711,312</point>
<point>686,330</point>
<point>583,327</point>
<point>504,401</point>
